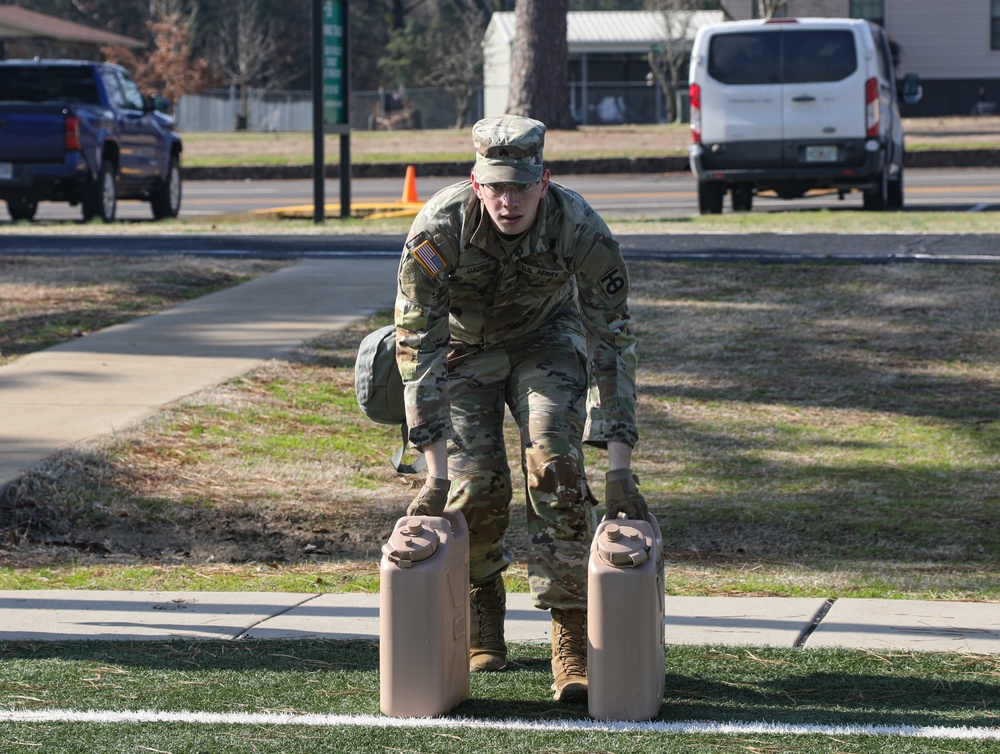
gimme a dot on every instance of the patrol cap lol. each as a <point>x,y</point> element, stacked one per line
<point>508,149</point>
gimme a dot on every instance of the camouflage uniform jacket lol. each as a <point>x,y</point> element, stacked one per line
<point>456,282</point>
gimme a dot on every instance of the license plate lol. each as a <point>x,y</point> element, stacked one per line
<point>821,154</point>
<point>6,171</point>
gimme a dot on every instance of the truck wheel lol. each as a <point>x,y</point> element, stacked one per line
<point>21,209</point>
<point>101,199</point>
<point>877,198</point>
<point>166,200</point>
<point>710,197</point>
<point>742,198</point>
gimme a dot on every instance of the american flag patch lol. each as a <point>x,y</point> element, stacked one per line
<point>429,258</point>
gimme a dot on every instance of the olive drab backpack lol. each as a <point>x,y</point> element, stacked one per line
<point>379,390</point>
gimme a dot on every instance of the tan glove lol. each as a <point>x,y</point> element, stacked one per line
<point>431,499</point>
<point>623,496</point>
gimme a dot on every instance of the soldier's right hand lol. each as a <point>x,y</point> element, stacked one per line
<point>623,496</point>
<point>431,499</point>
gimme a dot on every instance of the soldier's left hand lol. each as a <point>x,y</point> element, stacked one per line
<point>431,499</point>
<point>623,496</point>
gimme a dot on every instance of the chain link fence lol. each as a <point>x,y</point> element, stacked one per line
<point>275,111</point>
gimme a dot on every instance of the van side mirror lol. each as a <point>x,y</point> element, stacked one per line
<point>912,92</point>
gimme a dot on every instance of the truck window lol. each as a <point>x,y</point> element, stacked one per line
<point>131,92</point>
<point>818,55</point>
<point>745,58</point>
<point>62,85</point>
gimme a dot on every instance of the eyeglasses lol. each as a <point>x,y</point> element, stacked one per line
<point>499,190</point>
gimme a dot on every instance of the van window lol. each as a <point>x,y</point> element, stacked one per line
<point>747,58</point>
<point>818,55</point>
<point>782,57</point>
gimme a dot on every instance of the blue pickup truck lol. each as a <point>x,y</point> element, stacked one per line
<point>83,133</point>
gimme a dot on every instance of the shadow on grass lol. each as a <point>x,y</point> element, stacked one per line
<point>831,687</point>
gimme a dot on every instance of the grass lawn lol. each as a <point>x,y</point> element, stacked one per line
<point>836,688</point>
<point>807,430</point>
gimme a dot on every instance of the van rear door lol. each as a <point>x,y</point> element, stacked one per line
<point>823,97</point>
<point>743,114</point>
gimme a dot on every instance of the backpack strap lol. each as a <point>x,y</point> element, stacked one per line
<point>419,463</point>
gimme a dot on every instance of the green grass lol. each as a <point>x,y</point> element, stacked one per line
<point>223,149</point>
<point>806,431</point>
<point>825,687</point>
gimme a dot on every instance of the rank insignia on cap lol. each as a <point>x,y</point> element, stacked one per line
<point>429,258</point>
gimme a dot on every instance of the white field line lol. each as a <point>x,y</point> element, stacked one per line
<point>569,726</point>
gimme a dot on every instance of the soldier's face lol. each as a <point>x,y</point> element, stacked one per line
<point>512,207</point>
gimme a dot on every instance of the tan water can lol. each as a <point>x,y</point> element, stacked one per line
<point>424,616</point>
<point>625,596</point>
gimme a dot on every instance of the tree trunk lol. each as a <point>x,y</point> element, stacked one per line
<point>539,81</point>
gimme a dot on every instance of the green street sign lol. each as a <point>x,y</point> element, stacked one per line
<point>334,63</point>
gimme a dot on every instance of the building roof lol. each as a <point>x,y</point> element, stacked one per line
<point>21,23</point>
<point>621,31</point>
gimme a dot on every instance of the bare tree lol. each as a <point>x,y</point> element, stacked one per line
<point>245,47</point>
<point>539,85</point>
<point>171,67</point>
<point>767,8</point>
<point>459,66</point>
<point>669,59</point>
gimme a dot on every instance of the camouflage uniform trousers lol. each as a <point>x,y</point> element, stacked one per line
<point>543,382</point>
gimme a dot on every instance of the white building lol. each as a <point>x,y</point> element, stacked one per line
<point>953,45</point>
<point>608,64</point>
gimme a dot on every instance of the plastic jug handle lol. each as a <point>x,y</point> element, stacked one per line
<point>639,558</point>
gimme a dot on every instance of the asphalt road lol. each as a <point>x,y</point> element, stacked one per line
<point>653,195</point>
<point>763,247</point>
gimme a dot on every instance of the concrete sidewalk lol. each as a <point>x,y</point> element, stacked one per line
<point>733,621</point>
<point>95,386</point>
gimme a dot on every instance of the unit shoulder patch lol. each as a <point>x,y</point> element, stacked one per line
<point>603,264</point>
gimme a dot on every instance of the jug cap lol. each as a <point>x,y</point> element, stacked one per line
<point>411,542</point>
<point>623,545</point>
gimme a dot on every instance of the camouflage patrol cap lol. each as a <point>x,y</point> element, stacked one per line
<point>508,149</point>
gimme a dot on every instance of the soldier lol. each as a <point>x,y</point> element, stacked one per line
<point>513,294</point>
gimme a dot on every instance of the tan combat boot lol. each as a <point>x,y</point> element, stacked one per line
<point>569,655</point>
<point>488,607</point>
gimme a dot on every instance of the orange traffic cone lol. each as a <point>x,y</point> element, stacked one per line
<point>410,186</point>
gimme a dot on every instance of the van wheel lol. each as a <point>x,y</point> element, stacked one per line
<point>742,198</point>
<point>877,198</point>
<point>895,195</point>
<point>710,198</point>
<point>101,199</point>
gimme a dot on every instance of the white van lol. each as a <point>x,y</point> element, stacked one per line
<point>794,104</point>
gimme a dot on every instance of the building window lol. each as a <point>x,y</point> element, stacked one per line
<point>873,10</point>
<point>995,25</point>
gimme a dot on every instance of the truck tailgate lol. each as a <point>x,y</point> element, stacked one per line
<point>32,134</point>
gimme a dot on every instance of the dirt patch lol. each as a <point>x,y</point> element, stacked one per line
<point>209,481</point>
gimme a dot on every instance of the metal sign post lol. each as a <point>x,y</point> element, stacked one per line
<point>331,98</point>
